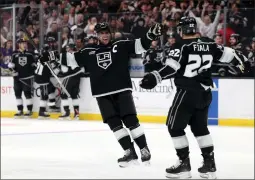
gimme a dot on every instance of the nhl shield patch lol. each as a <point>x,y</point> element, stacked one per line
<point>104,60</point>
<point>22,61</point>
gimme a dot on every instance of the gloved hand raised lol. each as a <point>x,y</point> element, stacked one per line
<point>155,31</point>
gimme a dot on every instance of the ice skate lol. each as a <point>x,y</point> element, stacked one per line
<point>130,157</point>
<point>43,115</point>
<point>145,156</point>
<point>208,169</point>
<point>76,116</point>
<point>18,115</point>
<point>65,115</point>
<point>29,114</point>
<point>54,109</point>
<point>180,170</point>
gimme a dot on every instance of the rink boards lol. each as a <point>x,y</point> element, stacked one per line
<point>232,105</point>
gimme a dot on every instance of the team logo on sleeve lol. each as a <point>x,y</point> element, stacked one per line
<point>22,61</point>
<point>104,60</point>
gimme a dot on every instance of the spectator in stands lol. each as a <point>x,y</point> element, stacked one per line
<point>65,21</point>
<point>93,7</point>
<point>127,23</point>
<point>169,27</point>
<point>53,32</point>
<point>113,24</point>
<point>139,30</point>
<point>124,7</point>
<point>156,15</point>
<point>229,31</point>
<point>92,21</point>
<point>205,25</point>
<point>66,37</point>
<point>6,51</point>
<point>54,19</point>
<point>72,16</point>
<point>105,18</point>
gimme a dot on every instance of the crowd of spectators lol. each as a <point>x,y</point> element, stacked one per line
<point>76,19</point>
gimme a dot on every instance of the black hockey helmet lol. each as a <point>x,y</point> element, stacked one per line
<point>102,27</point>
<point>187,26</point>
<point>50,39</point>
<point>236,37</point>
<point>71,45</point>
<point>50,43</point>
<point>21,40</point>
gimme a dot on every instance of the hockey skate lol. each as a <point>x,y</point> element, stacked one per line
<point>76,116</point>
<point>28,114</point>
<point>208,169</point>
<point>145,156</point>
<point>180,170</point>
<point>54,109</point>
<point>18,115</point>
<point>65,115</point>
<point>43,115</point>
<point>130,157</point>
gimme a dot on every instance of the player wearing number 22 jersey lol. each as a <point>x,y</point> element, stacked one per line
<point>190,65</point>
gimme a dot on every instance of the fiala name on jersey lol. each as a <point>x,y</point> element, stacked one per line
<point>201,47</point>
<point>104,60</point>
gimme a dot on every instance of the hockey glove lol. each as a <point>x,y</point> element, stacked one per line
<point>47,56</point>
<point>155,32</point>
<point>150,80</point>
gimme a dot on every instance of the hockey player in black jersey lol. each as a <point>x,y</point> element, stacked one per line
<point>190,66</point>
<point>108,64</point>
<point>23,64</point>
<point>153,58</point>
<point>42,78</point>
<point>71,75</point>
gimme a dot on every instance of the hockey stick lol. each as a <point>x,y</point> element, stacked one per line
<point>23,28</point>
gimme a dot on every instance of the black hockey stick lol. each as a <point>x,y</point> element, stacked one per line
<point>23,28</point>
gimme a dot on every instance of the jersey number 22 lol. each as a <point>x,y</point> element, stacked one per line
<point>199,64</point>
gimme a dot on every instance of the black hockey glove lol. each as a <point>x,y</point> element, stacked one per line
<point>47,56</point>
<point>155,32</point>
<point>150,80</point>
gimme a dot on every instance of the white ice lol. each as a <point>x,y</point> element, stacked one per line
<point>88,149</point>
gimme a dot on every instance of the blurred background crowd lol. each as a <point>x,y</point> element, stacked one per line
<point>72,21</point>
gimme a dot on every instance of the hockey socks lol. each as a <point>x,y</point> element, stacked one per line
<point>123,137</point>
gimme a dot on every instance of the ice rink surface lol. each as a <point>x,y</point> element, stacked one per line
<point>88,149</point>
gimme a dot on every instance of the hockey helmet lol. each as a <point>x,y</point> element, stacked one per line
<point>102,27</point>
<point>71,45</point>
<point>187,26</point>
<point>51,43</point>
<point>21,40</point>
<point>236,37</point>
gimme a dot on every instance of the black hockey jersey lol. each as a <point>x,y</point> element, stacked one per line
<point>191,60</point>
<point>42,72</point>
<point>24,63</point>
<point>153,59</point>
<point>108,65</point>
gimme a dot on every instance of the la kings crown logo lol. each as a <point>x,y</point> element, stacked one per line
<point>22,61</point>
<point>104,60</point>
